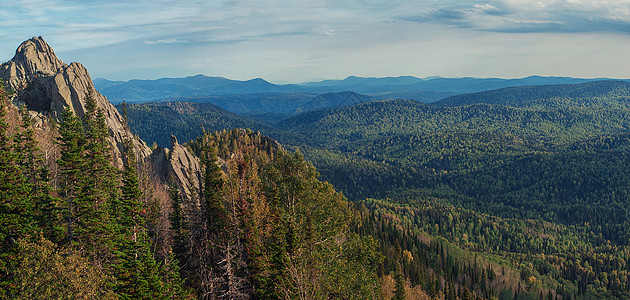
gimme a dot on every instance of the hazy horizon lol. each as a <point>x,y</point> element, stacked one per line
<point>316,80</point>
<point>285,41</point>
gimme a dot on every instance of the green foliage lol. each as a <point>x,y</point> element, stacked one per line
<point>45,272</point>
<point>156,122</point>
<point>215,212</point>
<point>72,142</point>
<point>399,289</point>
<point>334,128</point>
<point>592,95</point>
<point>16,204</point>
<point>179,228</point>
<point>104,250</point>
<point>526,175</point>
<point>284,234</point>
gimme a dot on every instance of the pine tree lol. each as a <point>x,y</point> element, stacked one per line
<point>48,210</point>
<point>128,214</point>
<point>268,283</point>
<point>26,147</point>
<point>216,215</point>
<point>128,228</point>
<point>16,203</point>
<point>399,289</point>
<point>178,227</point>
<point>399,277</point>
<point>99,188</point>
<point>211,236</point>
<point>139,275</point>
<point>71,164</point>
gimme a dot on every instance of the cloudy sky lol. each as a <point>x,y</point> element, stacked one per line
<point>302,40</point>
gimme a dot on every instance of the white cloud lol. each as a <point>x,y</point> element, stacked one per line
<point>286,40</point>
<point>524,16</point>
<point>166,41</point>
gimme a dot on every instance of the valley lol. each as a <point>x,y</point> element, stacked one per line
<point>362,188</point>
<point>486,172</point>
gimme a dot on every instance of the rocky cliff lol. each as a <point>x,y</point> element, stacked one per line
<point>47,85</point>
<point>179,166</point>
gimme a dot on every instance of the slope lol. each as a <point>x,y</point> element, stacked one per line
<point>334,100</point>
<point>331,128</point>
<point>155,122</point>
<point>599,94</point>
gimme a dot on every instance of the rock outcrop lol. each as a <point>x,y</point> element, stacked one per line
<point>47,85</point>
<point>179,166</point>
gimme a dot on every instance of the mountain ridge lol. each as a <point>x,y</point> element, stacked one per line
<point>137,90</point>
<point>47,85</point>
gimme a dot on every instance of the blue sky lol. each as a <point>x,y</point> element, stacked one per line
<point>296,41</point>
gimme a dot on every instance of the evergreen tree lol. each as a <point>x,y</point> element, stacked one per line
<point>216,215</point>
<point>139,275</point>
<point>48,210</point>
<point>399,289</point>
<point>399,277</point>
<point>179,230</point>
<point>173,283</point>
<point>71,164</point>
<point>26,148</point>
<point>128,226</point>
<point>213,233</point>
<point>16,203</point>
<point>99,188</point>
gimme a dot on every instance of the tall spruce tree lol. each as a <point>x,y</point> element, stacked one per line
<point>139,275</point>
<point>210,236</point>
<point>48,210</point>
<point>127,222</point>
<point>179,228</point>
<point>71,164</point>
<point>216,216</point>
<point>99,188</point>
<point>16,203</point>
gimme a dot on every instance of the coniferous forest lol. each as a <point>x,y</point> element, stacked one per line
<point>266,227</point>
<point>516,193</point>
<point>519,193</point>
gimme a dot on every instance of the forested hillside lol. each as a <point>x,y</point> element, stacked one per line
<point>260,225</point>
<point>598,94</point>
<point>331,128</point>
<point>185,120</point>
<point>518,193</point>
<point>555,173</point>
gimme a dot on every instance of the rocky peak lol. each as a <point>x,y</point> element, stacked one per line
<point>33,58</point>
<point>47,85</point>
<point>178,166</point>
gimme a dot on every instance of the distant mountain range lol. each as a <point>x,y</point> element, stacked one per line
<point>192,86</point>
<point>521,110</point>
<point>404,87</point>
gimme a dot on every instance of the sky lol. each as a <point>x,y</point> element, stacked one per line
<point>291,41</point>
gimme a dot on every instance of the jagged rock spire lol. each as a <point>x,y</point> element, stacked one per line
<point>34,57</point>
<point>47,85</point>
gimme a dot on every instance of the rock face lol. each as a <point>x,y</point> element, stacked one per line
<point>47,85</point>
<point>179,166</point>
